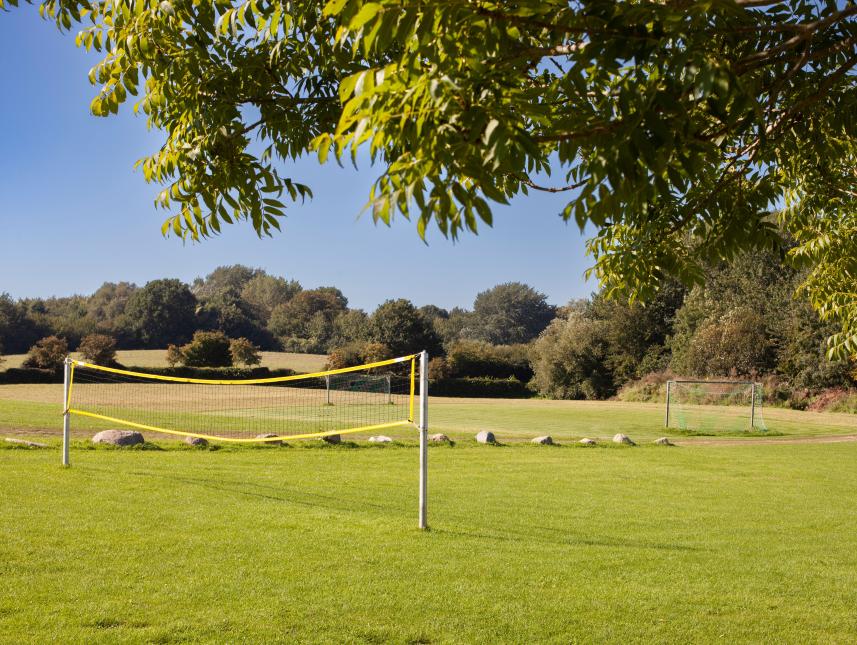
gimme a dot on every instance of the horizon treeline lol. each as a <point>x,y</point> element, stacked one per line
<point>743,322</point>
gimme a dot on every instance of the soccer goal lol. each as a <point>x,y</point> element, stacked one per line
<point>714,406</point>
<point>363,399</point>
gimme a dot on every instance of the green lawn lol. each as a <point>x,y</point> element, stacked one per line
<point>26,408</point>
<point>528,544</point>
<point>157,358</point>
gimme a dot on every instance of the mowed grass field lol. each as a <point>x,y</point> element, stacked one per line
<point>316,543</point>
<point>157,358</point>
<point>527,544</point>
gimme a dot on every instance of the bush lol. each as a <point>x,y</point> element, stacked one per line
<point>99,349</point>
<point>207,349</point>
<point>473,358</point>
<point>353,354</point>
<point>244,352</point>
<point>493,388</point>
<point>439,369</point>
<point>569,359</point>
<point>48,354</point>
<point>174,355</point>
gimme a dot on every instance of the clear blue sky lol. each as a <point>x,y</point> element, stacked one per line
<point>75,214</point>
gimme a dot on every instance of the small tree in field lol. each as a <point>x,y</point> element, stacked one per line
<point>244,352</point>
<point>99,349</point>
<point>174,355</point>
<point>48,354</point>
<point>207,349</point>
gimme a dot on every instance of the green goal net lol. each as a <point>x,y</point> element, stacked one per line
<point>715,406</point>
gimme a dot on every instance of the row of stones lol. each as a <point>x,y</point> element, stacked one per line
<point>486,436</point>
<point>131,438</point>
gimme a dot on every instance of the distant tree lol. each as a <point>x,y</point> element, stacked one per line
<point>64,316</point>
<point>207,349</point>
<point>460,324</point>
<point>48,354</point>
<point>229,313</point>
<point>433,311</point>
<point>569,359</point>
<point>244,352</point>
<point>162,312</point>
<point>224,279</point>
<point>174,355</point>
<point>106,307</point>
<point>309,315</point>
<point>350,326</point>
<point>734,344</point>
<point>511,313</point>
<point>400,326</point>
<point>99,349</point>
<point>264,292</point>
<point>18,330</point>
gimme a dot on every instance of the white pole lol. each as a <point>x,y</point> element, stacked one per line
<point>66,420</point>
<point>327,387</point>
<point>389,390</point>
<point>423,439</point>
<point>753,407</point>
<point>667,420</point>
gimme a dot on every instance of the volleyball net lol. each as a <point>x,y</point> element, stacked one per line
<point>364,398</point>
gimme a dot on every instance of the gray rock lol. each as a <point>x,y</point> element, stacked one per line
<point>439,438</point>
<point>332,439</point>
<point>664,441</point>
<point>623,438</point>
<point>269,435</point>
<point>545,441</point>
<point>587,442</point>
<point>380,439</point>
<point>486,436</point>
<point>119,437</point>
<point>198,442</point>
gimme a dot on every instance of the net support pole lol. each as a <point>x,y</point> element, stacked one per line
<point>667,419</point>
<point>423,439</point>
<point>66,417</point>
<point>752,406</point>
<point>327,388</point>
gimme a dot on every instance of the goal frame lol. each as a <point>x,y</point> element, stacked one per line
<point>752,384</point>
<point>422,427</point>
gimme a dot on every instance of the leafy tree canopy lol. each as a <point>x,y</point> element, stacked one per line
<point>683,131</point>
<point>162,311</point>
<point>511,313</point>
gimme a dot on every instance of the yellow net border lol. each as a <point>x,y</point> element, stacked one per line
<point>279,379</point>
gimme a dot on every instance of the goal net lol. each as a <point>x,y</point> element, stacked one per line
<point>364,398</point>
<point>714,406</point>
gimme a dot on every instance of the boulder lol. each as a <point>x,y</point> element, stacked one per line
<point>269,435</point>
<point>623,438</point>
<point>119,437</point>
<point>332,439</point>
<point>545,441</point>
<point>439,438</point>
<point>197,442</point>
<point>380,439</point>
<point>587,442</point>
<point>486,436</point>
<point>663,441</point>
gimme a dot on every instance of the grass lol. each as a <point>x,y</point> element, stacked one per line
<point>36,408</point>
<point>157,358</point>
<point>528,544</point>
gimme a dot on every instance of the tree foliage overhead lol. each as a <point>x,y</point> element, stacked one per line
<point>677,128</point>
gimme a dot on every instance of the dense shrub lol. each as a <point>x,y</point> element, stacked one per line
<point>48,354</point>
<point>357,353</point>
<point>244,352</point>
<point>99,349</point>
<point>473,358</point>
<point>207,349</point>
<point>174,355</point>
<point>494,388</point>
<point>569,359</point>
